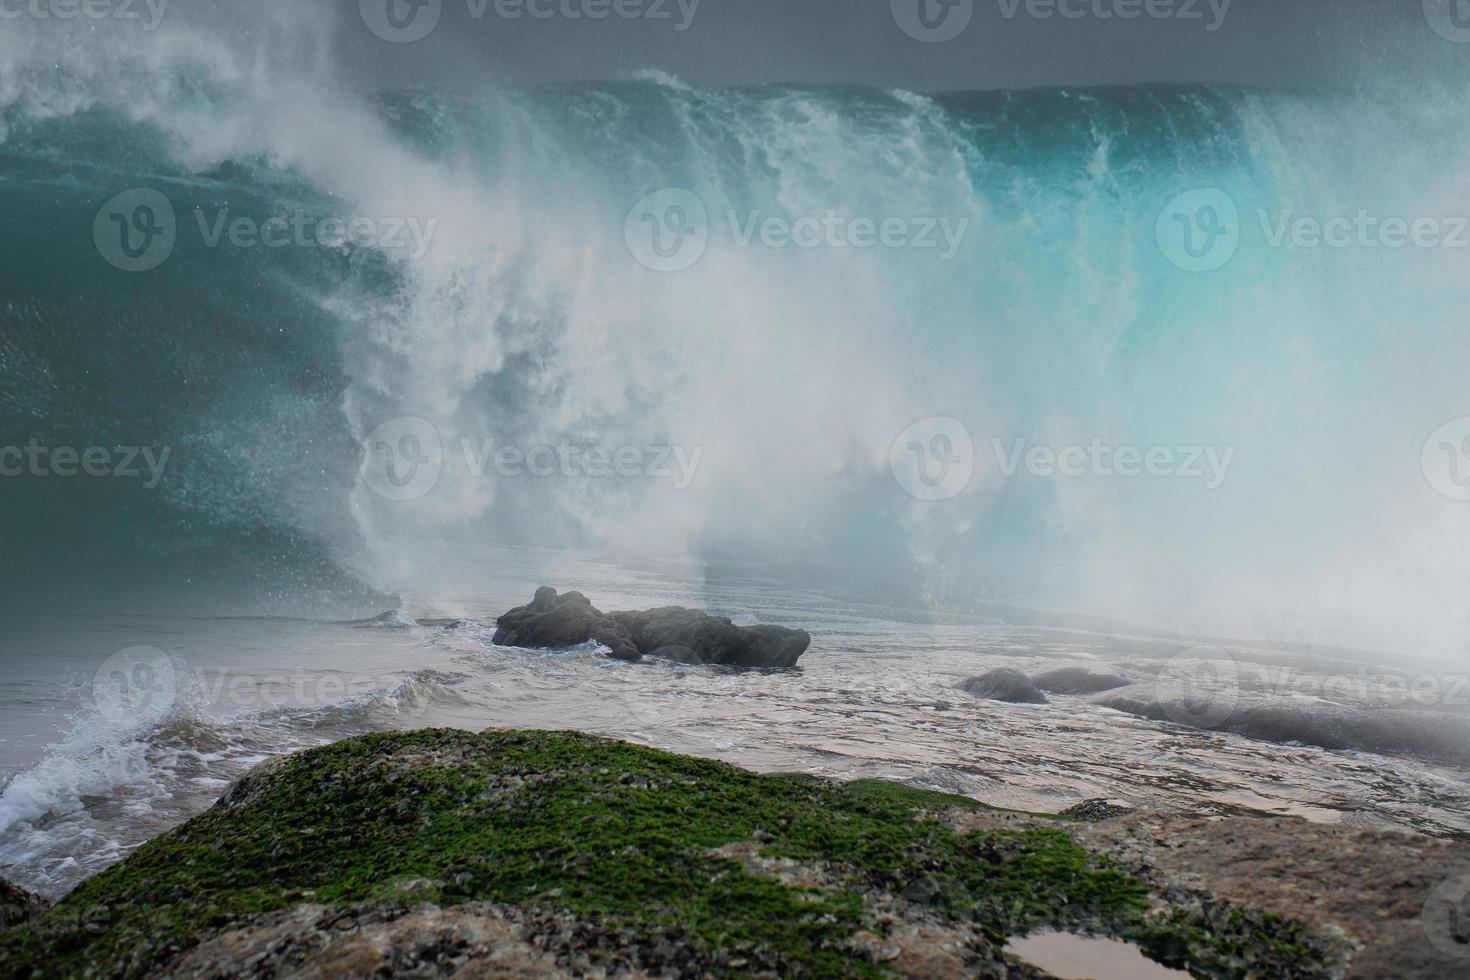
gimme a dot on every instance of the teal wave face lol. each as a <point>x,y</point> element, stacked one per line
<point>1068,299</point>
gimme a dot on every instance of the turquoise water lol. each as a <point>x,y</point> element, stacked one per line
<point>511,309</point>
<point>821,321</point>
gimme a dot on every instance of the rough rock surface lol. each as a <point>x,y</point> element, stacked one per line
<point>1004,684</point>
<point>18,905</point>
<point>1390,895</point>
<point>1095,811</point>
<point>337,944</point>
<point>552,620</point>
<point>673,633</point>
<point>1078,680</point>
<point>446,853</point>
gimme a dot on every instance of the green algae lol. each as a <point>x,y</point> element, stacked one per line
<point>623,834</point>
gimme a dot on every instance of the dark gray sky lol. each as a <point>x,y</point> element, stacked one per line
<point>1266,42</point>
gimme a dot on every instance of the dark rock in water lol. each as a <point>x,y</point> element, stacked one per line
<point>1079,680</point>
<point>553,620</point>
<point>686,635</point>
<point>693,637</point>
<point>1095,811</point>
<point>18,905</point>
<point>1005,684</point>
<point>1385,731</point>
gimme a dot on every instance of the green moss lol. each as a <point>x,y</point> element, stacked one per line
<point>599,828</point>
<point>878,789</point>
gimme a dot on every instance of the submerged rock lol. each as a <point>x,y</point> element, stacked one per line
<point>1004,684</point>
<point>673,633</point>
<point>1079,680</point>
<point>510,853</point>
<point>18,905</point>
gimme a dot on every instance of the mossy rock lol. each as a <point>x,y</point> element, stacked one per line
<point>668,864</point>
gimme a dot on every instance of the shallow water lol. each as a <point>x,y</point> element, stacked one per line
<point>1071,957</point>
<point>93,768</point>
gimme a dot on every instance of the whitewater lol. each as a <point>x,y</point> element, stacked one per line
<point>473,272</point>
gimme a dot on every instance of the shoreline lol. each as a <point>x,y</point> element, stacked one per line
<point>569,853</point>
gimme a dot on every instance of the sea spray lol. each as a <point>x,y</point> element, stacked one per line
<point>1060,316</point>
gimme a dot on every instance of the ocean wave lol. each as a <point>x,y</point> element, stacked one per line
<point>527,321</point>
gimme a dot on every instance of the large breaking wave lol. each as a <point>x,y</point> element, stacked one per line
<point>528,321</point>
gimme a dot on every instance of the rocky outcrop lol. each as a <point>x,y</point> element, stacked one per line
<point>673,633</point>
<point>1095,811</point>
<point>441,853</point>
<point>18,905</point>
<point>552,621</point>
<point>1010,686</point>
<point>1079,680</point>
<point>690,636</point>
